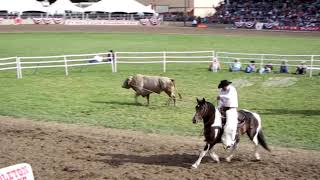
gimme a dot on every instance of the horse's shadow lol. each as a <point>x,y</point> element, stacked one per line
<point>176,160</point>
<point>306,112</point>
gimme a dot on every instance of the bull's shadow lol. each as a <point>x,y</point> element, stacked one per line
<point>176,160</point>
<point>118,103</point>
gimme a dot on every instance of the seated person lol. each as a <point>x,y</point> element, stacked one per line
<point>284,67</point>
<point>302,68</point>
<point>235,66</point>
<point>96,59</point>
<point>194,23</point>
<point>251,67</point>
<point>214,65</point>
<point>268,68</point>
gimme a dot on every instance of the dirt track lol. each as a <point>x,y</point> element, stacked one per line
<point>60,151</point>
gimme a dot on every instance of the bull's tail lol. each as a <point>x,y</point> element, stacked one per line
<point>175,87</point>
<point>262,141</point>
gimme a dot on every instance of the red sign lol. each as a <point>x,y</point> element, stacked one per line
<point>17,172</point>
<point>17,21</point>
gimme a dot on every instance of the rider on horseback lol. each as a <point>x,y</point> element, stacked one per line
<point>227,104</point>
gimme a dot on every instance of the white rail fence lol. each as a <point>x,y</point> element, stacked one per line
<point>164,58</point>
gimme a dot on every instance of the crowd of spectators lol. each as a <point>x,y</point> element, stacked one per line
<point>284,12</point>
<point>251,67</point>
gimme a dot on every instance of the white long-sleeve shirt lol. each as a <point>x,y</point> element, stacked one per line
<point>228,98</point>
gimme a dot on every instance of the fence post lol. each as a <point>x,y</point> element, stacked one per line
<point>261,62</point>
<point>213,57</point>
<point>66,65</point>
<point>311,65</point>
<point>115,61</point>
<point>164,61</point>
<point>19,71</point>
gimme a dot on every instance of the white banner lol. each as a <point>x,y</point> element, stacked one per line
<point>17,172</point>
<point>100,22</point>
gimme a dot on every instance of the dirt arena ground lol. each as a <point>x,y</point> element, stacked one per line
<point>60,151</point>
<point>65,151</point>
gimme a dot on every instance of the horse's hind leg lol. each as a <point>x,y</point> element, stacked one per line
<point>253,135</point>
<point>202,154</point>
<point>214,156</point>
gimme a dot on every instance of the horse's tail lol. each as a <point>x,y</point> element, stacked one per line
<point>262,141</point>
<point>175,87</point>
<point>259,136</point>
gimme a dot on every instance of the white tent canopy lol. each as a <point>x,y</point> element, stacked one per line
<point>60,6</point>
<point>127,6</point>
<point>21,6</point>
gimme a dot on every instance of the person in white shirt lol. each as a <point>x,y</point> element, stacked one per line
<point>98,58</point>
<point>228,103</point>
<point>214,65</point>
<point>194,23</point>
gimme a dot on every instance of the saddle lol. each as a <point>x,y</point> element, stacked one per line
<point>241,117</point>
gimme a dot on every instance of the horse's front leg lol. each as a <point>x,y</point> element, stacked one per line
<point>231,154</point>
<point>202,154</point>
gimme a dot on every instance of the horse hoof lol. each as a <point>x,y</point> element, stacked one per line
<point>194,166</point>
<point>228,159</point>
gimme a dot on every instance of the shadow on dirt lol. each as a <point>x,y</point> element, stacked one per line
<point>176,160</point>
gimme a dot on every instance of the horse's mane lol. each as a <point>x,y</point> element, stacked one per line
<point>210,112</point>
<point>210,105</point>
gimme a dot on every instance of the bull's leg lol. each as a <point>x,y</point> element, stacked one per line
<point>172,96</point>
<point>174,100</point>
<point>148,96</point>
<point>202,154</point>
<point>136,98</point>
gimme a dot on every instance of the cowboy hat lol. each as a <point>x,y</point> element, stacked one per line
<point>224,83</point>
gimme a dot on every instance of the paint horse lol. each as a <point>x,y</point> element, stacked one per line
<point>248,122</point>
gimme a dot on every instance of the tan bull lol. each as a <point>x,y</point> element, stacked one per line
<point>145,85</point>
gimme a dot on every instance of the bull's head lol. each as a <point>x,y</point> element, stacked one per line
<point>127,82</point>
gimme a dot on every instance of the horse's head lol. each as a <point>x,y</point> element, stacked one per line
<point>201,111</point>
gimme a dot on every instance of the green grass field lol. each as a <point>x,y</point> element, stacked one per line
<point>93,95</point>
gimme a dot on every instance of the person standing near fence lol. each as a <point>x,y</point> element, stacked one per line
<point>110,56</point>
